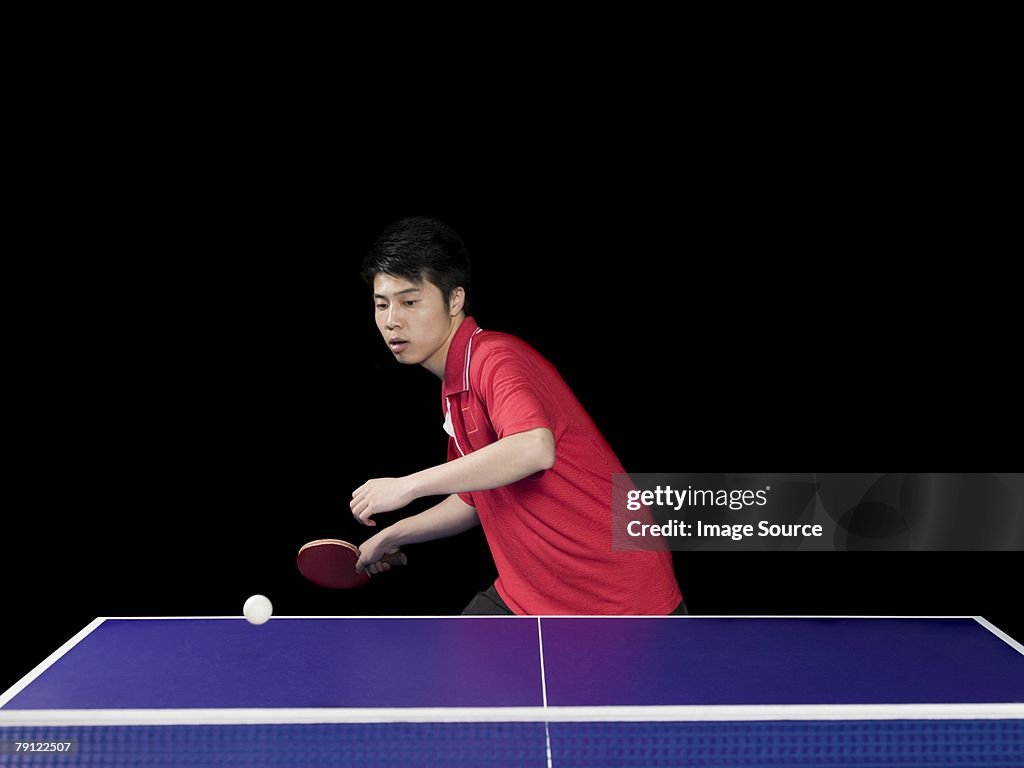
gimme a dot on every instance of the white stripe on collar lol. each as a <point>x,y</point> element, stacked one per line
<point>469,354</point>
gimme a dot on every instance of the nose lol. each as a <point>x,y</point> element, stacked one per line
<point>393,320</point>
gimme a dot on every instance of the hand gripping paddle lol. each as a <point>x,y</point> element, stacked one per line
<point>331,563</point>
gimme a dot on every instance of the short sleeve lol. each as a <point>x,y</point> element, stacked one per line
<point>515,395</point>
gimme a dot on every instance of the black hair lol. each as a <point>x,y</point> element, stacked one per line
<point>420,249</point>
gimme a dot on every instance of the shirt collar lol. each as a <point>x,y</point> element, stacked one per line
<point>456,366</point>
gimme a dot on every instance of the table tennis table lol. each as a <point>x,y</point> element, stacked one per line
<point>523,691</point>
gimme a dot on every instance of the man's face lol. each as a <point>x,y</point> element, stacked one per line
<point>413,320</point>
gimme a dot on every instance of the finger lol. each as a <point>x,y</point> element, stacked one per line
<point>360,493</point>
<point>360,499</point>
<point>364,516</point>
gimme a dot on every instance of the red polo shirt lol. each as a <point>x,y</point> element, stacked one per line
<point>550,533</point>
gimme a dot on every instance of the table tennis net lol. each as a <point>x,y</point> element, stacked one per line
<point>748,744</point>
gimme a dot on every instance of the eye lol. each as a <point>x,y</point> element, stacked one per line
<point>382,306</point>
<point>409,302</point>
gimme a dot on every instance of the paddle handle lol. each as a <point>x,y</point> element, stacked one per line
<point>395,558</point>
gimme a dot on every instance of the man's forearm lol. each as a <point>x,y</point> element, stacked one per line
<point>448,518</point>
<point>510,459</point>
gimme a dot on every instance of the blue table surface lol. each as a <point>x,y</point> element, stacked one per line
<point>526,662</point>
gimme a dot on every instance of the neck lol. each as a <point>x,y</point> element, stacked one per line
<point>436,362</point>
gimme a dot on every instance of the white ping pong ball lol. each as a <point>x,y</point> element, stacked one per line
<point>257,609</point>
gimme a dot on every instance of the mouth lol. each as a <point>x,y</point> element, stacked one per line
<point>397,345</point>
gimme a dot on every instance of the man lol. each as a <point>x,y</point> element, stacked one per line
<point>525,460</point>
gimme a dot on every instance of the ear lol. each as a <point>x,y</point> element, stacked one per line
<point>457,301</point>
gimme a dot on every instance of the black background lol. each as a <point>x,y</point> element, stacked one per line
<point>201,385</point>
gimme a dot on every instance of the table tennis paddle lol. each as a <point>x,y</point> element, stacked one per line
<point>331,563</point>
